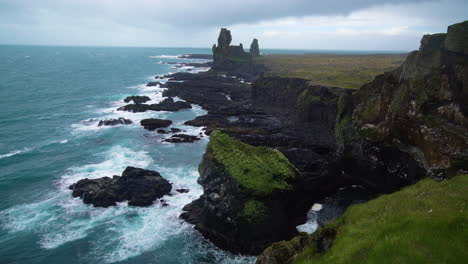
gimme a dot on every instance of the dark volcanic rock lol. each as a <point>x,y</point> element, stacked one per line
<point>137,186</point>
<point>176,130</point>
<point>162,131</point>
<point>154,123</point>
<point>113,122</point>
<point>412,120</point>
<point>167,104</point>
<point>137,99</point>
<point>197,56</point>
<point>233,58</point>
<point>183,190</point>
<point>247,202</point>
<point>254,49</point>
<point>181,138</point>
<point>152,84</point>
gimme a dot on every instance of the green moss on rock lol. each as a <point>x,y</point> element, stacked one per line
<point>254,210</point>
<point>259,170</point>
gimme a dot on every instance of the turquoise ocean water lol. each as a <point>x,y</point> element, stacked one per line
<point>51,99</point>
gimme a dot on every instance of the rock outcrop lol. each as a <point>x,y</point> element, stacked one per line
<point>115,121</point>
<point>167,104</point>
<point>410,121</point>
<point>137,99</point>
<point>254,48</point>
<point>246,203</point>
<point>137,186</point>
<point>181,138</point>
<point>229,57</point>
<point>406,124</point>
<point>155,123</point>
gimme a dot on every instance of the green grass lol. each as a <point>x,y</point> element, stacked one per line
<point>423,223</point>
<point>345,71</point>
<point>259,170</point>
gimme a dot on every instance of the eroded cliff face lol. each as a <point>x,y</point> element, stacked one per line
<point>413,120</point>
<point>247,202</point>
<point>404,125</point>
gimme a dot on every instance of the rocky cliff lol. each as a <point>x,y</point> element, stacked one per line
<point>404,125</point>
<point>413,120</point>
<point>247,196</point>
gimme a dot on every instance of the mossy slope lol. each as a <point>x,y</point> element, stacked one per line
<point>259,170</point>
<point>423,223</point>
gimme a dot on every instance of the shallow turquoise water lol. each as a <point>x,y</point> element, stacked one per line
<point>51,99</point>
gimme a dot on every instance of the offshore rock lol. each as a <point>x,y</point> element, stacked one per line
<point>137,99</point>
<point>246,203</point>
<point>114,122</point>
<point>167,104</point>
<point>137,186</point>
<point>181,138</point>
<point>154,123</point>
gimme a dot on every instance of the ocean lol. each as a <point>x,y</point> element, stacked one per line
<point>51,100</point>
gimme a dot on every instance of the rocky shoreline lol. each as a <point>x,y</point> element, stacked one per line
<point>403,126</point>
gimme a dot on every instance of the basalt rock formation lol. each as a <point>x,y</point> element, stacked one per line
<point>254,48</point>
<point>247,196</point>
<point>137,186</point>
<point>155,123</point>
<point>406,124</point>
<point>115,121</point>
<point>410,121</point>
<point>230,57</point>
<point>167,104</point>
<point>137,99</point>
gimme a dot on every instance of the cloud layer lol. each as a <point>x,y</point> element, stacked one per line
<point>278,23</point>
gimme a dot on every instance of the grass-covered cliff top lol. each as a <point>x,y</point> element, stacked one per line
<point>345,71</point>
<point>259,170</point>
<point>423,223</point>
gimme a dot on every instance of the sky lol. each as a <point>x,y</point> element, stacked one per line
<point>286,24</point>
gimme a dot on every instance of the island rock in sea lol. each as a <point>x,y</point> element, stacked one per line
<point>137,186</point>
<point>247,196</point>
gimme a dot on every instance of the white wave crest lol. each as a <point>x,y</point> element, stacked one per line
<point>15,152</point>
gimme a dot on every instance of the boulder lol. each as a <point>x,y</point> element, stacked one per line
<point>115,121</point>
<point>137,186</point>
<point>137,99</point>
<point>154,123</point>
<point>181,138</point>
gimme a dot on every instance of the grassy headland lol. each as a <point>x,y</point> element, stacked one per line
<point>345,71</point>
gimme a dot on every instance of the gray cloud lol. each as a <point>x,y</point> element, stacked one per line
<point>195,23</point>
<point>187,13</point>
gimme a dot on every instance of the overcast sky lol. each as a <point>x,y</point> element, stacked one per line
<point>293,24</point>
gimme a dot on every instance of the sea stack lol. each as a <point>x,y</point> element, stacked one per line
<point>228,57</point>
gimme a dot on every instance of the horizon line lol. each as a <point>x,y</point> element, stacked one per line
<point>185,47</point>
